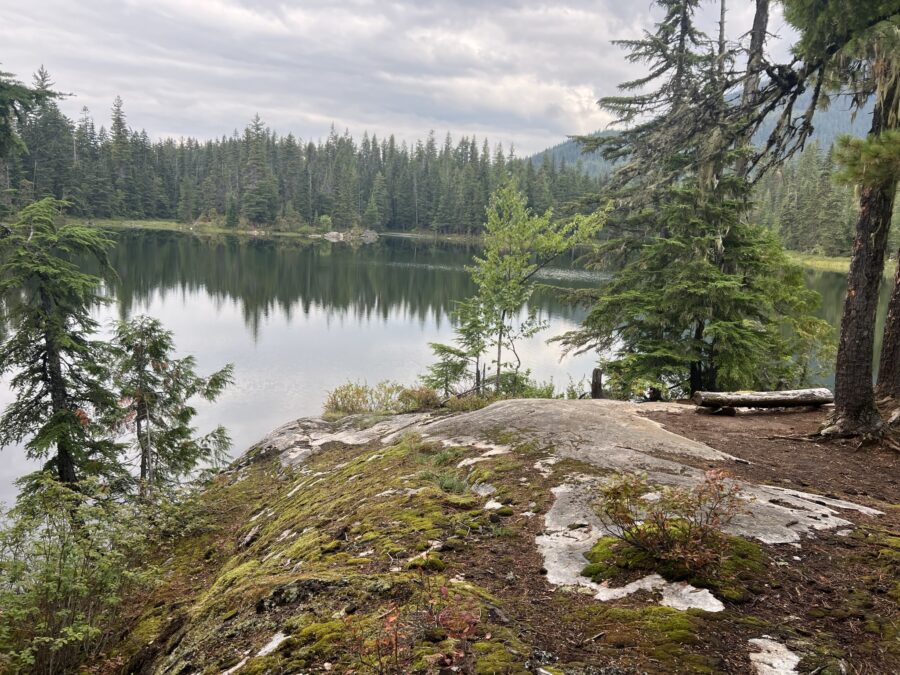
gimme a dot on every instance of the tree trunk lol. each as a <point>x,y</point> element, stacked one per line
<point>59,401</point>
<point>696,379</point>
<point>499,352</point>
<point>597,383</point>
<point>889,366</point>
<point>855,413</point>
<point>762,399</point>
<point>754,69</point>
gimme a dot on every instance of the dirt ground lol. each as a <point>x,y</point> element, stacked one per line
<point>869,476</point>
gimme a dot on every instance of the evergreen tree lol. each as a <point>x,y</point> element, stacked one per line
<point>155,388</point>
<point>58,369</point>
<point>16,101</point>
<point>702,298</point>
<point>259,199</point>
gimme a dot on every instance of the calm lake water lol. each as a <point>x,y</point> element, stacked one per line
<point>297,319</point>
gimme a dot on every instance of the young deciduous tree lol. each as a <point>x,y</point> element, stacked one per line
<point>68,559</point>
<point>154,389</point>
<point>517,245</point>
<point>59,372</point>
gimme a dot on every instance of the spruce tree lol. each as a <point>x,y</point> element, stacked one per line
<point>155,389</point>
<point>259,199</point>
<point>701,299</point>
<point>59,371</point>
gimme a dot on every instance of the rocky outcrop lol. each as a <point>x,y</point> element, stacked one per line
<point>460,538</point>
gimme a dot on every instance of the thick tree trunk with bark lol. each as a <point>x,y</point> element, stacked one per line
<point>889,366</point>
<point>763,399</point>
<point>65,461</point>
<point>855,413</point>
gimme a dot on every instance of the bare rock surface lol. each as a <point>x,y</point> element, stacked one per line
<point>769,657</point>
<point>606,436</point>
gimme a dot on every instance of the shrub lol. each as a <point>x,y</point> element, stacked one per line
<point>385,397</point>
<point>680,527</point>
<point>448,481</point>
<point>348,399</point>
<point>416,399</point>
<point>67,558</point>
<point>467,403</point>
<point>434,630</point>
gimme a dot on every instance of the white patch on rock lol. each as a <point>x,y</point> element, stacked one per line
<point>563,549</point>
<point>493,505</point>
<point>543,466</point>
<point>495,451</point>
<point>680,595</point>
<point>483,489</point>
<point>272,645</point>
<point>772,658</point>
<point>240,664</point>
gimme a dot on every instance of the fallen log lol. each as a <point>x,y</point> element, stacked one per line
<point>763,399</point>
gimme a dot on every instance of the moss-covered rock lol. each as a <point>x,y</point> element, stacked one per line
<point>736,578</point>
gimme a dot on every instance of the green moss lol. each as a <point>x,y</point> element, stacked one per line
<point>505,511</point>
<point>330,546</point>
<point>430,563</point>
<point>233,576</point>
<point>739,573</point>
<point>495,658</point>
<point>667,635</point>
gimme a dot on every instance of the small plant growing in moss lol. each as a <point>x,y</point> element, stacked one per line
<point>673,525</point>
<point>448,481</point>
<point>438,620</point>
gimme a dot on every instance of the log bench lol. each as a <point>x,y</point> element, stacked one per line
<point>726,402</point>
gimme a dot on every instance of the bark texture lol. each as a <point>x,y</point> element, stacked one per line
<point>763,399</point>
<point>855,413</point>
<point>889,365</point>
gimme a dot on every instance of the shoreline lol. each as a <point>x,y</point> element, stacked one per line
<point>809,261</point>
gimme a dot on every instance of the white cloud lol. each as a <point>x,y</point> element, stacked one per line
<point>521,72</point>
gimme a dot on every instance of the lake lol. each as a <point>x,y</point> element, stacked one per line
<point>299,318</point>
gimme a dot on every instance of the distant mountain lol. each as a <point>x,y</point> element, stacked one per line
<point>829,124</point>
<point>570,152</point>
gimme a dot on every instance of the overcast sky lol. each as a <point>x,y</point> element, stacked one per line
<point>526,73</point>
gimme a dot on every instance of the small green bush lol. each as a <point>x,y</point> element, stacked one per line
<point>386,397</point>
<point>467,403</point>
<point>67,559</point>
<point>416,399</point>
<point>679,527</point>
<point>348,399</point>
<point>448,481</point>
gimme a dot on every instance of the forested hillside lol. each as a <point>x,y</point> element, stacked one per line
<point>830,123</point>
<point>811,211</point>
<point>258,177</point>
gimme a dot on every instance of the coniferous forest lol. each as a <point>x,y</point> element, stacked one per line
<point>259,178</point>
